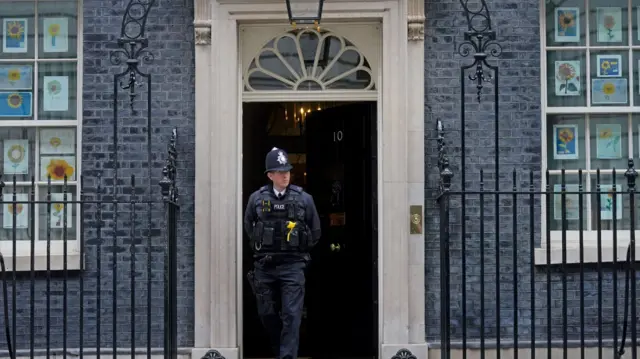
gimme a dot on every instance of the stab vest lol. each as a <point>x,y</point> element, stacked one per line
<point>281,226</point>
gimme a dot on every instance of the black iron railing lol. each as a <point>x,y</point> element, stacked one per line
<point>538,271</point>
<point>93,270</point>
<point>85,234</point>
<point>569,285</point>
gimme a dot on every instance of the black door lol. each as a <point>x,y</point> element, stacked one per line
<point>342,278</point>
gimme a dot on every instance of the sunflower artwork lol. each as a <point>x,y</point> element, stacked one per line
<point>606,201</point>
<point>60,207</point>
<point>14,39</point>
<point>16,157</point>
<point>571,202</point>
<point>56,34</point>
<point>567,27</point>
<point>609,24</point>
<point>17,211</point>
<point>609,65</point>
<point>15,77</point>
<point>608,141</point>
<point>56,93</point>
<point>567,78</point>
<point>57,167</point>
<point>609,91</point>
<point>565,139</point>
<point>15,104</point>
<point>57,141</point>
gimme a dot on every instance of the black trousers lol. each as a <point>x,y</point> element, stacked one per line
<point>286,282</point>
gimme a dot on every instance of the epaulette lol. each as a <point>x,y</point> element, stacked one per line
<point>264,188</point>
<point>296,188</point>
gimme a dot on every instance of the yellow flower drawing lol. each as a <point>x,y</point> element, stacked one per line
<point>15,153</point>
<point>566,20</point>
<point>59,168</point>
<point>14,75</point>
<point>15,30</point>
<point>605,134</point>
<point>608,89</point>
<point>58,212</point>
<point>17,210</point>
<point>565,135</point>
<point>565,74</point>
<point>55,142</point>
<point>58,207</point>
<point>14,100</point>
<point>54,29</point>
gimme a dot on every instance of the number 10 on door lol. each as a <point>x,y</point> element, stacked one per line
<point>337,136</point>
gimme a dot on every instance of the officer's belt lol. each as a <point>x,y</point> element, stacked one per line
<point>278,257</point>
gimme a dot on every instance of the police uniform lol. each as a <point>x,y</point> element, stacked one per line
<point>283,228</point>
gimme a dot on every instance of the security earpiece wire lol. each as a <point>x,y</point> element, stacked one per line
<point>5,304</point>
<point>625,322</point>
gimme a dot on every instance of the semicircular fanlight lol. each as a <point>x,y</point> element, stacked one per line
<point>309,60</point>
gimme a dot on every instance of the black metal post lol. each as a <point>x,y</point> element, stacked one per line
<point>630,273</point>
<point>170,198</point>
<point>132,52</point>
<point>479,42</point>
<point>444,199</point>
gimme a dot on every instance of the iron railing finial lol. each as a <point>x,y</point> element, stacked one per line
<point>631,175</point>
<point>168,182</point>
<point>446,175</point>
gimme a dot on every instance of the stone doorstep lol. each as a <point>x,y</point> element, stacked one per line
<point>388,351</point>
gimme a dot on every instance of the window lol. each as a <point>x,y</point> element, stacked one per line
<point>40,119</point>
<point>309,60</point>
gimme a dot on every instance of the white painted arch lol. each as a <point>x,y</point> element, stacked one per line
<point>218,207</point>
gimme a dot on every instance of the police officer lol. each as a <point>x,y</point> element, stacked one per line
<point>282,222</point>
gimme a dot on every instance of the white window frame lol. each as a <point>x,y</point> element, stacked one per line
<point>56,255</point>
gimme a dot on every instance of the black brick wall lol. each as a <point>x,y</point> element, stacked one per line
<point>517,26</point>
<point>170,33</point>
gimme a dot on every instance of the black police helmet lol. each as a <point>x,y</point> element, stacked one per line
<point>277,160</point>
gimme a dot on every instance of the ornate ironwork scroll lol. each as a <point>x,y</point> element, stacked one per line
<point>132,49</point>
<point>133,45</point>
<point>480,38</point>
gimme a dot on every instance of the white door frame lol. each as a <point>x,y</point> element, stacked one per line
<point>302,96</point>
<point>218,186</point>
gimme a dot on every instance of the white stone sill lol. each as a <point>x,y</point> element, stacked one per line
<point>590,247</point>
<point>23,263</point>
